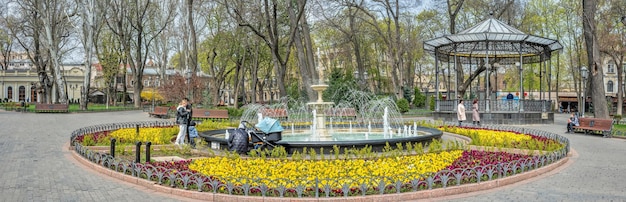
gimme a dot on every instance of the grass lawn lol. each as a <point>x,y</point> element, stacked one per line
<point>619,130</point>
<point>94,108</point>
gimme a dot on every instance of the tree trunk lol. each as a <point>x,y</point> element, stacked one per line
<point>596,74</point>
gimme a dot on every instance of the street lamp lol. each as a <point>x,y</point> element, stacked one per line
<point>154,85</point>
<point>584,73</point>
<point>188,74</point>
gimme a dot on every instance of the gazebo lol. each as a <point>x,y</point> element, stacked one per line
<point>489,44</point>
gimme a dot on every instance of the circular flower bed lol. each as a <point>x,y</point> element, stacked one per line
<point>356,172</point>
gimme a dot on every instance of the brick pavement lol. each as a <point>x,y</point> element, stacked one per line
<point>37,167</point>
<point>596,173</point>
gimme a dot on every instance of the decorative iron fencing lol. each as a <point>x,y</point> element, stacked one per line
<point>315,187</point>
<point>498,105</point>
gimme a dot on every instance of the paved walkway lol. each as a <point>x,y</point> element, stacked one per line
<point>37,167</point>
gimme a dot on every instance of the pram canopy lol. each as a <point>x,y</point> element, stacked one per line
<point>269,125</point>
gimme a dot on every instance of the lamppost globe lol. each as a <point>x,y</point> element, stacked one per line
<point>188,74</point>
<point>584,73</point>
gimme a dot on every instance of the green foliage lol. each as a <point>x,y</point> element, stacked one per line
<point>431,104</point>
<point>339,85</point>
<point>406,93</point>
<point>234,112</point>
<point>88,140</point>
<point>419,99</point>
<point>403,105</point>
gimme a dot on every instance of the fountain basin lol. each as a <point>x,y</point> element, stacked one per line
<point>217,141</point>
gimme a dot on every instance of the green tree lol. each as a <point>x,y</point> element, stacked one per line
<point>419,99</point>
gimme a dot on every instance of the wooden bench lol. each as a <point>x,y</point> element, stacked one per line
<point>39,107</point>
<point>341,113</point>
<point>213,114</point>
<point>605,126</point>
<point>280,114</point>
<point>160,112</point>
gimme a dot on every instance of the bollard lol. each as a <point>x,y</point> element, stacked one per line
<point>138,152</point>
<point>148,144</point>
<point>113,147</point>
<point>137,129</point>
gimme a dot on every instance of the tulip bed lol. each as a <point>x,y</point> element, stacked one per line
<point>505,139</point>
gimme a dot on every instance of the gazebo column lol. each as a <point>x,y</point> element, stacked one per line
<point>456,81</point>
<point>521,81</point>
<point>487,89</point>
<point>436,81</point>
<point>541,73</point>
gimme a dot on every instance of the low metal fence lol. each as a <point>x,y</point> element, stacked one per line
<point>316,187</point>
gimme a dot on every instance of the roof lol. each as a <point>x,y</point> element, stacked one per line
<point>494,39</point>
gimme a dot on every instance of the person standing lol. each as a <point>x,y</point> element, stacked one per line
<point>460,112</point>
<point>182,118</point>
<point>475,114</point>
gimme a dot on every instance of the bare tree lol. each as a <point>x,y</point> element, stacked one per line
<point>91,17</point>
<point>40,27</point>
<point>56,22</point>
<point>6,40</point>
<point>130,21</point>
<point>264,20</point>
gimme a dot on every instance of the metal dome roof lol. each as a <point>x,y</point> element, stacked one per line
<point>494,39</point>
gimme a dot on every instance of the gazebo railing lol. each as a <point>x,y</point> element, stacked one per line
<point>498,105</point>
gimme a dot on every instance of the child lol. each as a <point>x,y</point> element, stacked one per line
<point>193,133</point>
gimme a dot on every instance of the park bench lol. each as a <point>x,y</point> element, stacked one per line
<point>280,114</point>
<point>603,126</point>
<point>341,113</point>
<point>40,107</point>
<point>212,114</point>
<point>160,112</point>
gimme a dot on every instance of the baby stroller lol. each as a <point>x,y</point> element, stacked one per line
<point>264,134</point>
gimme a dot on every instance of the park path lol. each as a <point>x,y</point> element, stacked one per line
<point>36,166</point>
<point>596,172</point>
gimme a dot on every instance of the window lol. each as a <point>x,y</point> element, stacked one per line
<point>33,93</point>
<point>22,93</point>
<point>10,93</point>
<point>611,67</point>
<point>609,86</point>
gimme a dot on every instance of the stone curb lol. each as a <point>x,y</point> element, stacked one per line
<point>424,194</point>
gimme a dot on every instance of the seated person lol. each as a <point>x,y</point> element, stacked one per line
<point>571,122</point>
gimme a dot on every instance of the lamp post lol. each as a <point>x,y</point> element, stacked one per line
<point>154,85</point>
<point>584,73</point>
<point>188,77</point>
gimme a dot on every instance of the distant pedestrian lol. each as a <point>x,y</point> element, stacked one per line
<point>475,113</point>
<point>460,112</point>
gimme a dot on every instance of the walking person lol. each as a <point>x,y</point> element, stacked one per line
<point>475,113</point>
<point>182,118</point>
<point>460,113</point>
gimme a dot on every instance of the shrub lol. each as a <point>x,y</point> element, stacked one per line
<point>432,103</point>
<point>420,98</point>
<point>403,105</point>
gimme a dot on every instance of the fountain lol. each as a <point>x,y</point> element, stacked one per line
<point>319,107</point>
<point>373,127</point>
